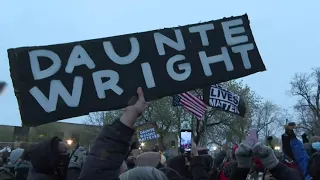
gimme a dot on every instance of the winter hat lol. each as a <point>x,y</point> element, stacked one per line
<point>151,159</point>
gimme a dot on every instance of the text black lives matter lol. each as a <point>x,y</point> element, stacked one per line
<point>218,97</point>
<point>67,80</point>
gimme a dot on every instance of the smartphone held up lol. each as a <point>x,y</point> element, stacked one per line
<point>186,140</point>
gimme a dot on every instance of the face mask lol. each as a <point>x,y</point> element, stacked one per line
<point>316,146</point>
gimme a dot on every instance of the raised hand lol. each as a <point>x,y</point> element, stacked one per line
<point>244,155</point>
<point>266,155</point>
<point>134,110</point>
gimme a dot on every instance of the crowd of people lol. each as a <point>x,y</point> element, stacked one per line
<point>111,157</point>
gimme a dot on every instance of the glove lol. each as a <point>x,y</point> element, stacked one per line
<point>266,155</point>
<point>243,155</point>
<point>78,158</point>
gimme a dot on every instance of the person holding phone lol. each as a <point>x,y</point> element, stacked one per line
<point>185,140</point>
<point>294,149</point>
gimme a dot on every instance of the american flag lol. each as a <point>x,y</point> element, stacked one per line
<point>192,103</point>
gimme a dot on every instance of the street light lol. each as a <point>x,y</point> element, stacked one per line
<point>142,144</point>
<point>69,142</point>
<point>214,148</point>
<point>277,148</point>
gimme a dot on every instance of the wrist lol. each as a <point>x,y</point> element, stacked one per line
<point>128,117</point>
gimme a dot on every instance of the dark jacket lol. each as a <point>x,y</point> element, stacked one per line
<point>73,173</point>
<point>198,168</point>
<point>178,163</point>
<point>46,162</point>
<point>6,174</point>
<point>108,153</point>
<point>22,170</point>
<point>218,161</point>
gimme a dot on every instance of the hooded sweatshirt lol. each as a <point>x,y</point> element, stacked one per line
<point>46,161</point>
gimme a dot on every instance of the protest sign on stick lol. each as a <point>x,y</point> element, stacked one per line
<point>61,81</point>
<point>218,97</point>
<point>147,132</point>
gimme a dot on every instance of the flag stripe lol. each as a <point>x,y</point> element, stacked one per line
<point>197,99</point>
<point>190,106</point>
<point>194,100</point>
<point>193,104</point>
<point>189,101</point>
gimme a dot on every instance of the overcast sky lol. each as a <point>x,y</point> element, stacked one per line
<point>286,33</point>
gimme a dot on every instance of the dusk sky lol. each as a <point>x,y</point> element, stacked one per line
<point>286,33</point>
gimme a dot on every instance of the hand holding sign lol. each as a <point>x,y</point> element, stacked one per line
<point>132,112</point>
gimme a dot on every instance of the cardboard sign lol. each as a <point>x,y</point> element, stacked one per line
<point>147,132</point>
<point>220,98</point>
<point>67,80</point>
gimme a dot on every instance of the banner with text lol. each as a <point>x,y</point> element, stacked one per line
<point>61,81</point>
<point>217,97</point>
<point>147,132</point>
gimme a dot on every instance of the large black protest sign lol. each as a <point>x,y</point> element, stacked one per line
<point>66,80</point>
<point>220,98</point>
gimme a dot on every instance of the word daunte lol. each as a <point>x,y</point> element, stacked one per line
<point>163,62</point>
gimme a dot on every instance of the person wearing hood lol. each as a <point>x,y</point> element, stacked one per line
<point>49,160</point>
